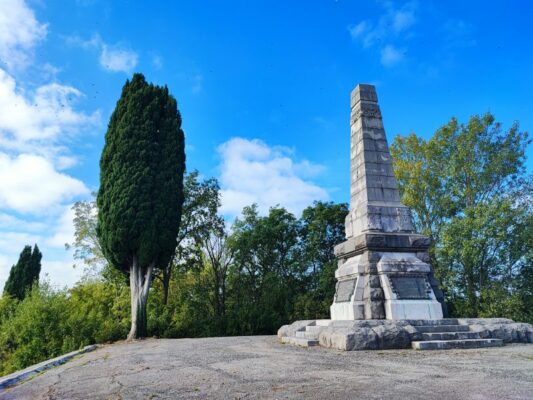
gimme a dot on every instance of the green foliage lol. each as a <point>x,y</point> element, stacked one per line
<point>322,230</point>
<point>98,312</point>
<point>24,274</point>
<point>141,189</point>
<point>49,323</point>
<point>466,186</point>
<point>34,330</point>
<point>265,274</point>
<point>86,245</point>
<point>283,268</point>
<point>468,191</point>
<point>141,178</point>
<point>198,220</point>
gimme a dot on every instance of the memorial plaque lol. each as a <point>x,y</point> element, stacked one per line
<point>410,287</point>
<point>345,290</point>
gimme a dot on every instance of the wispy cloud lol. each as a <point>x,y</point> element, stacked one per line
<point>390,55</point>
<point>157,61</point>
<point>118,59</point>
<point>197,86</point>
<point>113,57</point>
<point>253,172</point>
<point>387,33</point>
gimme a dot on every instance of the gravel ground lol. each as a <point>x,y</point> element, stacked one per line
<point>259,367</point>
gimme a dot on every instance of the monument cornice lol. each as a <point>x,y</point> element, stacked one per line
<point>381,241</point>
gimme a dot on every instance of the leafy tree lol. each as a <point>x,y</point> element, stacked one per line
<point>467,188</point>
<point>141,189</point>
<point>219,257</point>
<point>265,275</point>
<point>198,219</point>
<point>322,229</point>
<point>25,273</point>
<point>86,245</point>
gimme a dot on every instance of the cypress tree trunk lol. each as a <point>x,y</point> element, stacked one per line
<point>166,283</point>
<point>139,285</point>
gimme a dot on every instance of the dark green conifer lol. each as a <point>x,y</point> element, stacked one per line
<point>141,188</point>
<point>24,273</point>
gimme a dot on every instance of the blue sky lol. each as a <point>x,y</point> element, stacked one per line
<point>263,88</point>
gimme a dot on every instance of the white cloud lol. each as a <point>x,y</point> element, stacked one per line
<point>391,56</point>
<point>357,30</point>
<point>385,33</point>
<point>403,19</point>
<point>253,172</point>
<point>12,223</point>
<point>30,184</point>
<point>39,118</point>
<point>64,230</point>
<point>61,272</point>
<point>57,262</point>
<point>36,128</point>
<point>116,58</point>
<point>19,33</point>
<point>5,267</point>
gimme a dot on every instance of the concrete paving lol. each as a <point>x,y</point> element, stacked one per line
<point>259,367</point>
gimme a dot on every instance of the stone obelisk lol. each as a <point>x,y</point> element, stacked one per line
<point>383,266</point>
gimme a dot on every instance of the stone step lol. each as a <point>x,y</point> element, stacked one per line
<point>314,328</point>
<point>432,322</point>
<point>307,335</point>
<point>456,344</point>
<point>450,335</point>
<point>297,341</point>
<point>443,328</point>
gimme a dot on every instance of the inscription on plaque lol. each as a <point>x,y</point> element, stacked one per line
<point>410,288</point>
<point>345,290</point>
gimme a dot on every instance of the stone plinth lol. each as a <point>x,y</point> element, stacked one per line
<point>420,334</point>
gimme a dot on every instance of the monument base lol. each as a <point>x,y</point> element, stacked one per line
<point>385,276</point>
<point>421,334</point>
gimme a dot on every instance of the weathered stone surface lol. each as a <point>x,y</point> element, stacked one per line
<point>259,367</point>
<point>378,334</point>
<point>500,328</point>
<point>367,335</point>
<point>381,244</point>
<point>290,330</point>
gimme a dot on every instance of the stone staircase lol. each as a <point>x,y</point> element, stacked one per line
<point>307,336</point>
<point>445,334</point>
<point>436,334</point>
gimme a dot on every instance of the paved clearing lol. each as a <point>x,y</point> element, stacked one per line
<point>258,367</point>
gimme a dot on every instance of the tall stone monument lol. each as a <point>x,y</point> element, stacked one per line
<point>383,266</point>
<point>386,295</point>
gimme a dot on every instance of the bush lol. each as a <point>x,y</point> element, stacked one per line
<point>48,323</point>
<point>34,330</point>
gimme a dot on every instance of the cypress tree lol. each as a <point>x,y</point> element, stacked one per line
<point>141,188</point>
<point>24,273</point>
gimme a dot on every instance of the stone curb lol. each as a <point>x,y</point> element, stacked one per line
<point>15,377</point>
